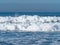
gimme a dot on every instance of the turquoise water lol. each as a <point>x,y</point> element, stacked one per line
<point>29,38</point>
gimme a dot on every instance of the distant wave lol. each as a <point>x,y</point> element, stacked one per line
<point>30,23</point>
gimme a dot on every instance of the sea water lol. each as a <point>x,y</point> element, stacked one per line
<point>30,13</point>
<point>29,38</point>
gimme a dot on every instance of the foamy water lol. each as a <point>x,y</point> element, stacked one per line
<point>36,30</point>
<point>30,23</point>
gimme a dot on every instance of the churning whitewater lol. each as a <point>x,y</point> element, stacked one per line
<point>30,23</point>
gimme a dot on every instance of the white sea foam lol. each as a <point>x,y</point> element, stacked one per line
<point>30,23</point>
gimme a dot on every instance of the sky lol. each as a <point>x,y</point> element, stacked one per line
<point>29,5</point>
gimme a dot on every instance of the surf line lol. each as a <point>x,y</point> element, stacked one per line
<point>30,23</point>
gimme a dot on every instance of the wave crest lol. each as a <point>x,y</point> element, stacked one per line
<point>30,23</point>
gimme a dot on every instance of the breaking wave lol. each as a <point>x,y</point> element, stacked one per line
<point>30,23</point>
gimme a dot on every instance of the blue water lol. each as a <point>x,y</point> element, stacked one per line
<point>30,13</point>
<point>29,38</point>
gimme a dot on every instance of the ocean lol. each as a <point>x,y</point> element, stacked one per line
<point>30,13</point>
<point>30,38</point>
